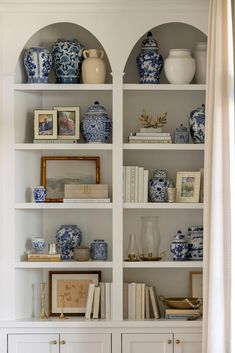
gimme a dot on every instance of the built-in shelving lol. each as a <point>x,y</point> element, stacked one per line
<point>163,264</point>
<point>62,205</point>
<point>164,205</point>
<point>61,146</point>
<point>64,264</point>
<point>163,87</point>
<point>62,87</point>
<point>164,146</point>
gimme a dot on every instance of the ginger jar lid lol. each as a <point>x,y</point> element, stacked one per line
<point>160,173</point>
<point>179,237</point>
<point>97,109</point>
<point>181,128</point>
<point>149,43</point>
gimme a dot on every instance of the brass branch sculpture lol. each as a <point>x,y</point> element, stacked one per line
<point>146,120</point>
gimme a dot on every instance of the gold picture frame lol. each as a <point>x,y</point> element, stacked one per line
<point>73,285</point>
<point>196,284</point>
<point>188,186</point>
<point>76,170</point>
<point>45,124</point>
<point>68,121</point>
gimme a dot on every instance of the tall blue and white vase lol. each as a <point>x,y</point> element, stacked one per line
<point>99,250</point>
<point>149,62</point>
<point>67,59</point>
<point>38,64</point>
<point>179,247</point>
<point>197,124</point>
<point>67,237</point>
<point>158,186</point>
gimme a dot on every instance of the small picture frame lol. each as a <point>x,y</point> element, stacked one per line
<point>45,124</point>
<point>188,186</point>
<point>73,285</point>
<point>68,121</point>
<point>196,284</point>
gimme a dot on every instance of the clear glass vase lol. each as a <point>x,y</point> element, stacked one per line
<point>132,249</point>
<point>150,237</point>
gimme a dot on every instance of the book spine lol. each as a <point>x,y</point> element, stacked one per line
<point>107,301</point>
<point>153,134</point>
<point>132,184</point>
<point>147,307</point>
<point>128,184</point>
<point>124,183</point>
<point>141,185</point>
<point>133,299</point>
<point>125,300</point>
<point>96,304</point>
<point>90,297</point>
<point>142,301</point>
<point>102,300</point>
<point>129,301</point>
<point>153,303</point>
<point>138,301</point>
<point>146,181</point>
<point>150,138</point>
<point>149,141</point>
<point>136,197</point>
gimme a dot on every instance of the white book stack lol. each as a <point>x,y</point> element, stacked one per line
<point>99,301</point>
<point>150,137</point>
<point>135,184</point>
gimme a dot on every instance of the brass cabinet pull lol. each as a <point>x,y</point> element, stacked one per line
<point>62,342</point>
<point>54,342</point>
<point>169,341</point>
<point>177,341</point>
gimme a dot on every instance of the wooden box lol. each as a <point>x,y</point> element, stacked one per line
<point>86,191</point>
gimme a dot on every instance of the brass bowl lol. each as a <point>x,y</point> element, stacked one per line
<point>181,302</point>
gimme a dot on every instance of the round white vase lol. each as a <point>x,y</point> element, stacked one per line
<point>93,67</point>
<point>200,55</point>
<point>179,66</point>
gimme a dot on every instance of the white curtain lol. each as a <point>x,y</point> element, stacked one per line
<point>219,215</point>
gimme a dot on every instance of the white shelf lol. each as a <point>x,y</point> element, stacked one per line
<point>61,146</point>
<point>164,205</point>
<point>63,206</point>
<point>64,264</point>
<point>163,264</point>
<point>164,146</point>
<point>62,87</point>
<point>163,87</point>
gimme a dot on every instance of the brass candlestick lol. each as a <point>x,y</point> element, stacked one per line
<point>43,315</point>
<point>62,317</point>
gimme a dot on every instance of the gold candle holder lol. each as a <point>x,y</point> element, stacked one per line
<point>43,315</point>
<point>62,316</point>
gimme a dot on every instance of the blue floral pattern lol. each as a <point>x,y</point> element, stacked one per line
<point>38,64</point>
<point>99,250</point>
<point>38,244</point>
<point>179,247</point>
<point>67,237</point>
<point>197,124</point>
<point>39,194</point>
<point>158,186</point>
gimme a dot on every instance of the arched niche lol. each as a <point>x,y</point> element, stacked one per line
<point>169,36</point>
<point>47,36</point>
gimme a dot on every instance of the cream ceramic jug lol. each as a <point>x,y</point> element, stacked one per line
<point>93,67</point>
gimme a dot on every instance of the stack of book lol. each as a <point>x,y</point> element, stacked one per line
<point>140,302</point>
<point>86,193</point>
<point>99,301</point>
<point>40,257</point>
<point>135,184</point>
<point>182,313</point>
<point>150,137</point>
<point>54,141</point>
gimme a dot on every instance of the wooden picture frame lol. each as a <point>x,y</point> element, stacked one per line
<point>196,284</point>
<point>68,122</point>
<point>45,124</point>
<point>76,170</point>
<point>73,285</point>
<point>188,186</point>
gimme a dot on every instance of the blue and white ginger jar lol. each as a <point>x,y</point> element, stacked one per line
<point>38,244</point>
<point>149,62</point>
<point>67,59</point>
<point>195,243</point>
<point>39,194</point>
<point>179,247</point>
<point>99,250</point>
<point>67,237</point>
<point>181,134</point>
<point>197,124</point>
<point>96,126</point>
<point>38,64</point>
<point>158,186</point>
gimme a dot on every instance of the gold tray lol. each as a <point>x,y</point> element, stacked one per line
<point>181,303</point>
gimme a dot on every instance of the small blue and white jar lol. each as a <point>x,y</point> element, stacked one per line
<point>38,64</point>
<point>179,247</point>
<point>39,194</point>
<point>197,124</point>
<point>149,62</point>
<point>158,186</point>
<point>96,126</point>
<point>67,237</point>
<point>181,134</point>
<point>99,250</point>
<point>38,244</point>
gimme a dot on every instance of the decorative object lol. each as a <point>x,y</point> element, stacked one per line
<point>67,237</point>
<point>196,284</point>
<point>197,124</point>
<point>43,257</point>
<point>81,253</point>
<point>96,126</point>
<point>38,244</point>
<point>43,315</point>
<point>86,191</point>
<point>187,186</point>
<point>132,250</point>
<point>99,250</point>
<point>181,134</point>
<point>179,247</point>
<point>181,302</point>
<point>52,249</point>
<point>62,316</point>
<point>201,197</point>
<point>67,58</point>
<point>45,124</point>
<point>73,285</point>
<point>171,192</point>
<point>179,66</point>
<point>149,62</point>
<point>93,67</point>
<point>150,238</point>
<point>76,170</point>
<point>200,55</point>
<point>195,243</point>
<point>39,194</point>
<point>146,122</point>
<point>158,186</point>
<point>68,122</point>
<point>38,64</point>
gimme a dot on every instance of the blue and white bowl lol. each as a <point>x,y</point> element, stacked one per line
<point>197,124</point>
<point>39,194</point>
<point>99,250</point>
<point>38,64</point>
<point>38,244</point>
<point>67,237</point>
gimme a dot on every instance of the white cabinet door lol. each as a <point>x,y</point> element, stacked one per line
<point>188,343</point>
<point>151,342</point>
<point>33,343</point>
<point>85,343</point>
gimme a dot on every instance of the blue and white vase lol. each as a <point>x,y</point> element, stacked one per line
<point>67,237</point>
<point>99,250</point>
<point>158,186</point>
<point>179,247</point>
<point>195,243</point>
<point>96,126</point>
<point>149,62</point>
<point>67,59</point>
<point>39,194</point>
<point>197,124</point>
<point>38,244</point>
<point>38,64</point>
<point>181,134</point>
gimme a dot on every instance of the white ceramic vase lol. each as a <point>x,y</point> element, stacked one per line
<point>93,67</point>
<point>179,66</point>
<point>200,55</point>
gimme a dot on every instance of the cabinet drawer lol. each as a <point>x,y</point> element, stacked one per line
<point>85,343</point>
<point>139,343</point>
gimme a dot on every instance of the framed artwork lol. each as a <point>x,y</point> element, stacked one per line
<point>196,284</point>
<point>45,124</point>
<point>56,171</point>
<point>187,186</point>
<point>67,123</point>
<point>73,286</point>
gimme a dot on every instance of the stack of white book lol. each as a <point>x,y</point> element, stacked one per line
<point>140,302</point>
<point>150,137</point>
<point>99,301</point>
<point>135,184</point>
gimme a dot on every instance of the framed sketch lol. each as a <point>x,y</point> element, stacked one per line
<point>67,123</point>
<point>45,124</point>
<point>196,284</point>
<point>187,186</point>
<point>56,171</point>
<point>73,286</point>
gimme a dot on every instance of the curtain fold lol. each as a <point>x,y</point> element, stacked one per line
<point>219,228</point>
